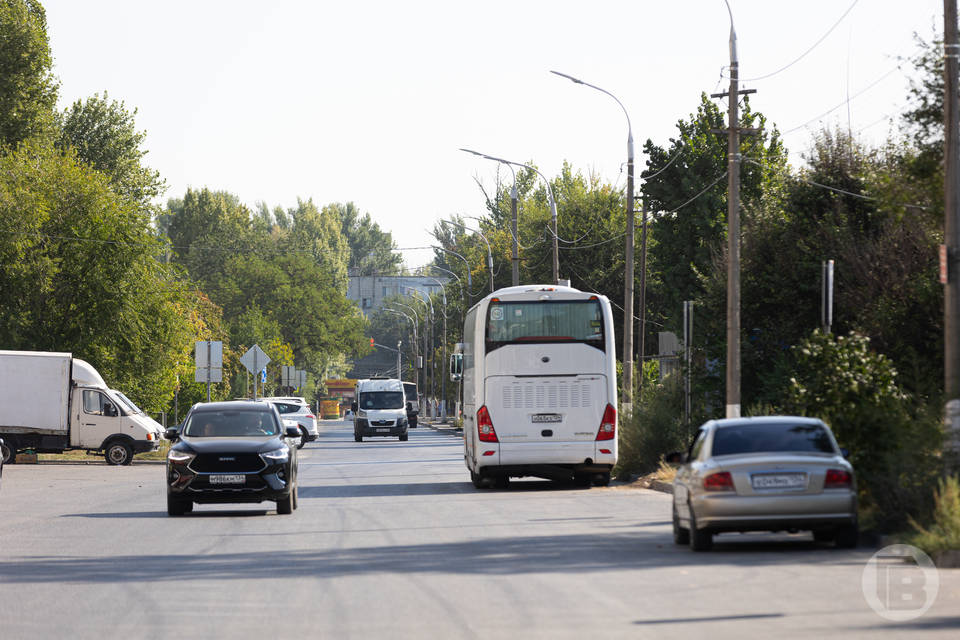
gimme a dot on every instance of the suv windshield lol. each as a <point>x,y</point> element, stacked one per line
<point>770,438</point>
<point>381,400</point>
<point>231,423</point>
<point>540,322</point>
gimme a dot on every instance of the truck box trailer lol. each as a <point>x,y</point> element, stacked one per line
<point>53,402</point>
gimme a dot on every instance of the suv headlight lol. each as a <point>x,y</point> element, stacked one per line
<point>180,457</point>
<point>277,456</point>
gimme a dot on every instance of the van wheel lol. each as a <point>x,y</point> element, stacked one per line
<point>8,452</point>
<point>118,453</point>
<point>404,438</point>
<point>357,437</point>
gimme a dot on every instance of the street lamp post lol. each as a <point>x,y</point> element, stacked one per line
<point>553,210</point>
<point>628,275</point>
<point>417,316</point>
<point>427,351</point>
<point>413,322</point>
<point>515,275</point>
<point>489,252</point>
<point>443,359</point>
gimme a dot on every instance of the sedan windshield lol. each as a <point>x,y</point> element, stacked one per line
<point>231,424</point>
<point>772,437</point>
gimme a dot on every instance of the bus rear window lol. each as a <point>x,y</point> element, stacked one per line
<point>579,321</point>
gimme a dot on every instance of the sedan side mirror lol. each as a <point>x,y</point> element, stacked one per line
<point>675,457</point>
<point>292,432</point>
<point>172,434</point>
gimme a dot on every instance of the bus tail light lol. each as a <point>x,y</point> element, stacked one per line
<point>485,426</point>
<point>608,425</point>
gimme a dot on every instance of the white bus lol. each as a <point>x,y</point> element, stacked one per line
<point>539,386</point>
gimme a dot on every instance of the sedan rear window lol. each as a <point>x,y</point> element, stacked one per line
<point>772,438</point>
<point>231,424</point>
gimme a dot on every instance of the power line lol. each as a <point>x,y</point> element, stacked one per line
<point>805,53</point>
<point>845,102</point>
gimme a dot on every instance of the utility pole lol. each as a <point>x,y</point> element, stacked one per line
<point>628,287</point>
<point>643,287</point>
<point>515,276</point>
<point>733,227</point>
<point>951,290</point>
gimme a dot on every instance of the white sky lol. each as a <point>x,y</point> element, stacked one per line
<point>369,100</point>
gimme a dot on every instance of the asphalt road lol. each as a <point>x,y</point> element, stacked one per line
<point>392,541</point>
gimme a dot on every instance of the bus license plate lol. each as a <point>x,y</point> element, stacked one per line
<point>546,417</point>
<point>228,479</point>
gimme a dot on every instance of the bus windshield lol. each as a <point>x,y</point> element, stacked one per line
<point>579,321</point>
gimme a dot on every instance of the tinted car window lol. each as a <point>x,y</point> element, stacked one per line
<point>226,424</point>
<point>286,407</point>
<point>771,437</point>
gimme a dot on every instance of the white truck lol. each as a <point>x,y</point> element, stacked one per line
<point>52,402</point>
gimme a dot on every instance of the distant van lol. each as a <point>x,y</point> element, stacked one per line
<point>380,409</point>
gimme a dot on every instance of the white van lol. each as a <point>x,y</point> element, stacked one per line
<point>539,386</point>
<point>379,409</point>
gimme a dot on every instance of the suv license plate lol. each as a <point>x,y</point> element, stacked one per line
<point>779,481</point>
<point>228,479</point>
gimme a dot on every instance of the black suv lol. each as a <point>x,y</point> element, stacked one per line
<point>229,452</point>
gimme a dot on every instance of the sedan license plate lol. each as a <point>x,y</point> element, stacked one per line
<point>228,479</point>
<point>779,481</point>
<point>546,417</point>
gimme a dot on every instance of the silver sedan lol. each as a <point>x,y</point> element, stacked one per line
<point>774,473</point>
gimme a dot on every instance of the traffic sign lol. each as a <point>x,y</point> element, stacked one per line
<point>208,358</point>
<point>255,359</point>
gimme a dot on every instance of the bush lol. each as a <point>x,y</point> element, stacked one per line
<point>894,445</point>
<point>653,429</point>
<point>944,532</point>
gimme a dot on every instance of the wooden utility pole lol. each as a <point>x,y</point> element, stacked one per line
<point>733,229</point>
<point>951,307</point>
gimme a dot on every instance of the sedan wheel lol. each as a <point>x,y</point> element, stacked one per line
<point>700,539</point>
<point>680,535</point>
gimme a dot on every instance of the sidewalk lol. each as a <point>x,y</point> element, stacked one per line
<point>436,425</point>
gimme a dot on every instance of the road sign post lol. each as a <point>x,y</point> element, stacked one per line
<point>208,356</point>
<point>255,361</point>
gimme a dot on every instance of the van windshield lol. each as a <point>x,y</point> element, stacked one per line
<point>381,400</point>
<point>545,322</point>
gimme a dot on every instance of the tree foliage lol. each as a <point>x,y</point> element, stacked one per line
<point>28,89</point>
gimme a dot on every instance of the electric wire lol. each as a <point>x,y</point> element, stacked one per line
<point>845,102</point>
<point>805,53</point>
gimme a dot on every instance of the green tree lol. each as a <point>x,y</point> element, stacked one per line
<point>371,249</point>
<point>104,134</point>
<point>28,89</point>
<point>80,272</point>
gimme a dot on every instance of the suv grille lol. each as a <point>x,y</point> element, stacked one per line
<point>228,463</point>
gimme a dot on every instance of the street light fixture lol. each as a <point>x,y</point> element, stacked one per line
<point>628,275</point>
<point>487,242</point>
<point>553,210</point>
<point>515,277</point>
